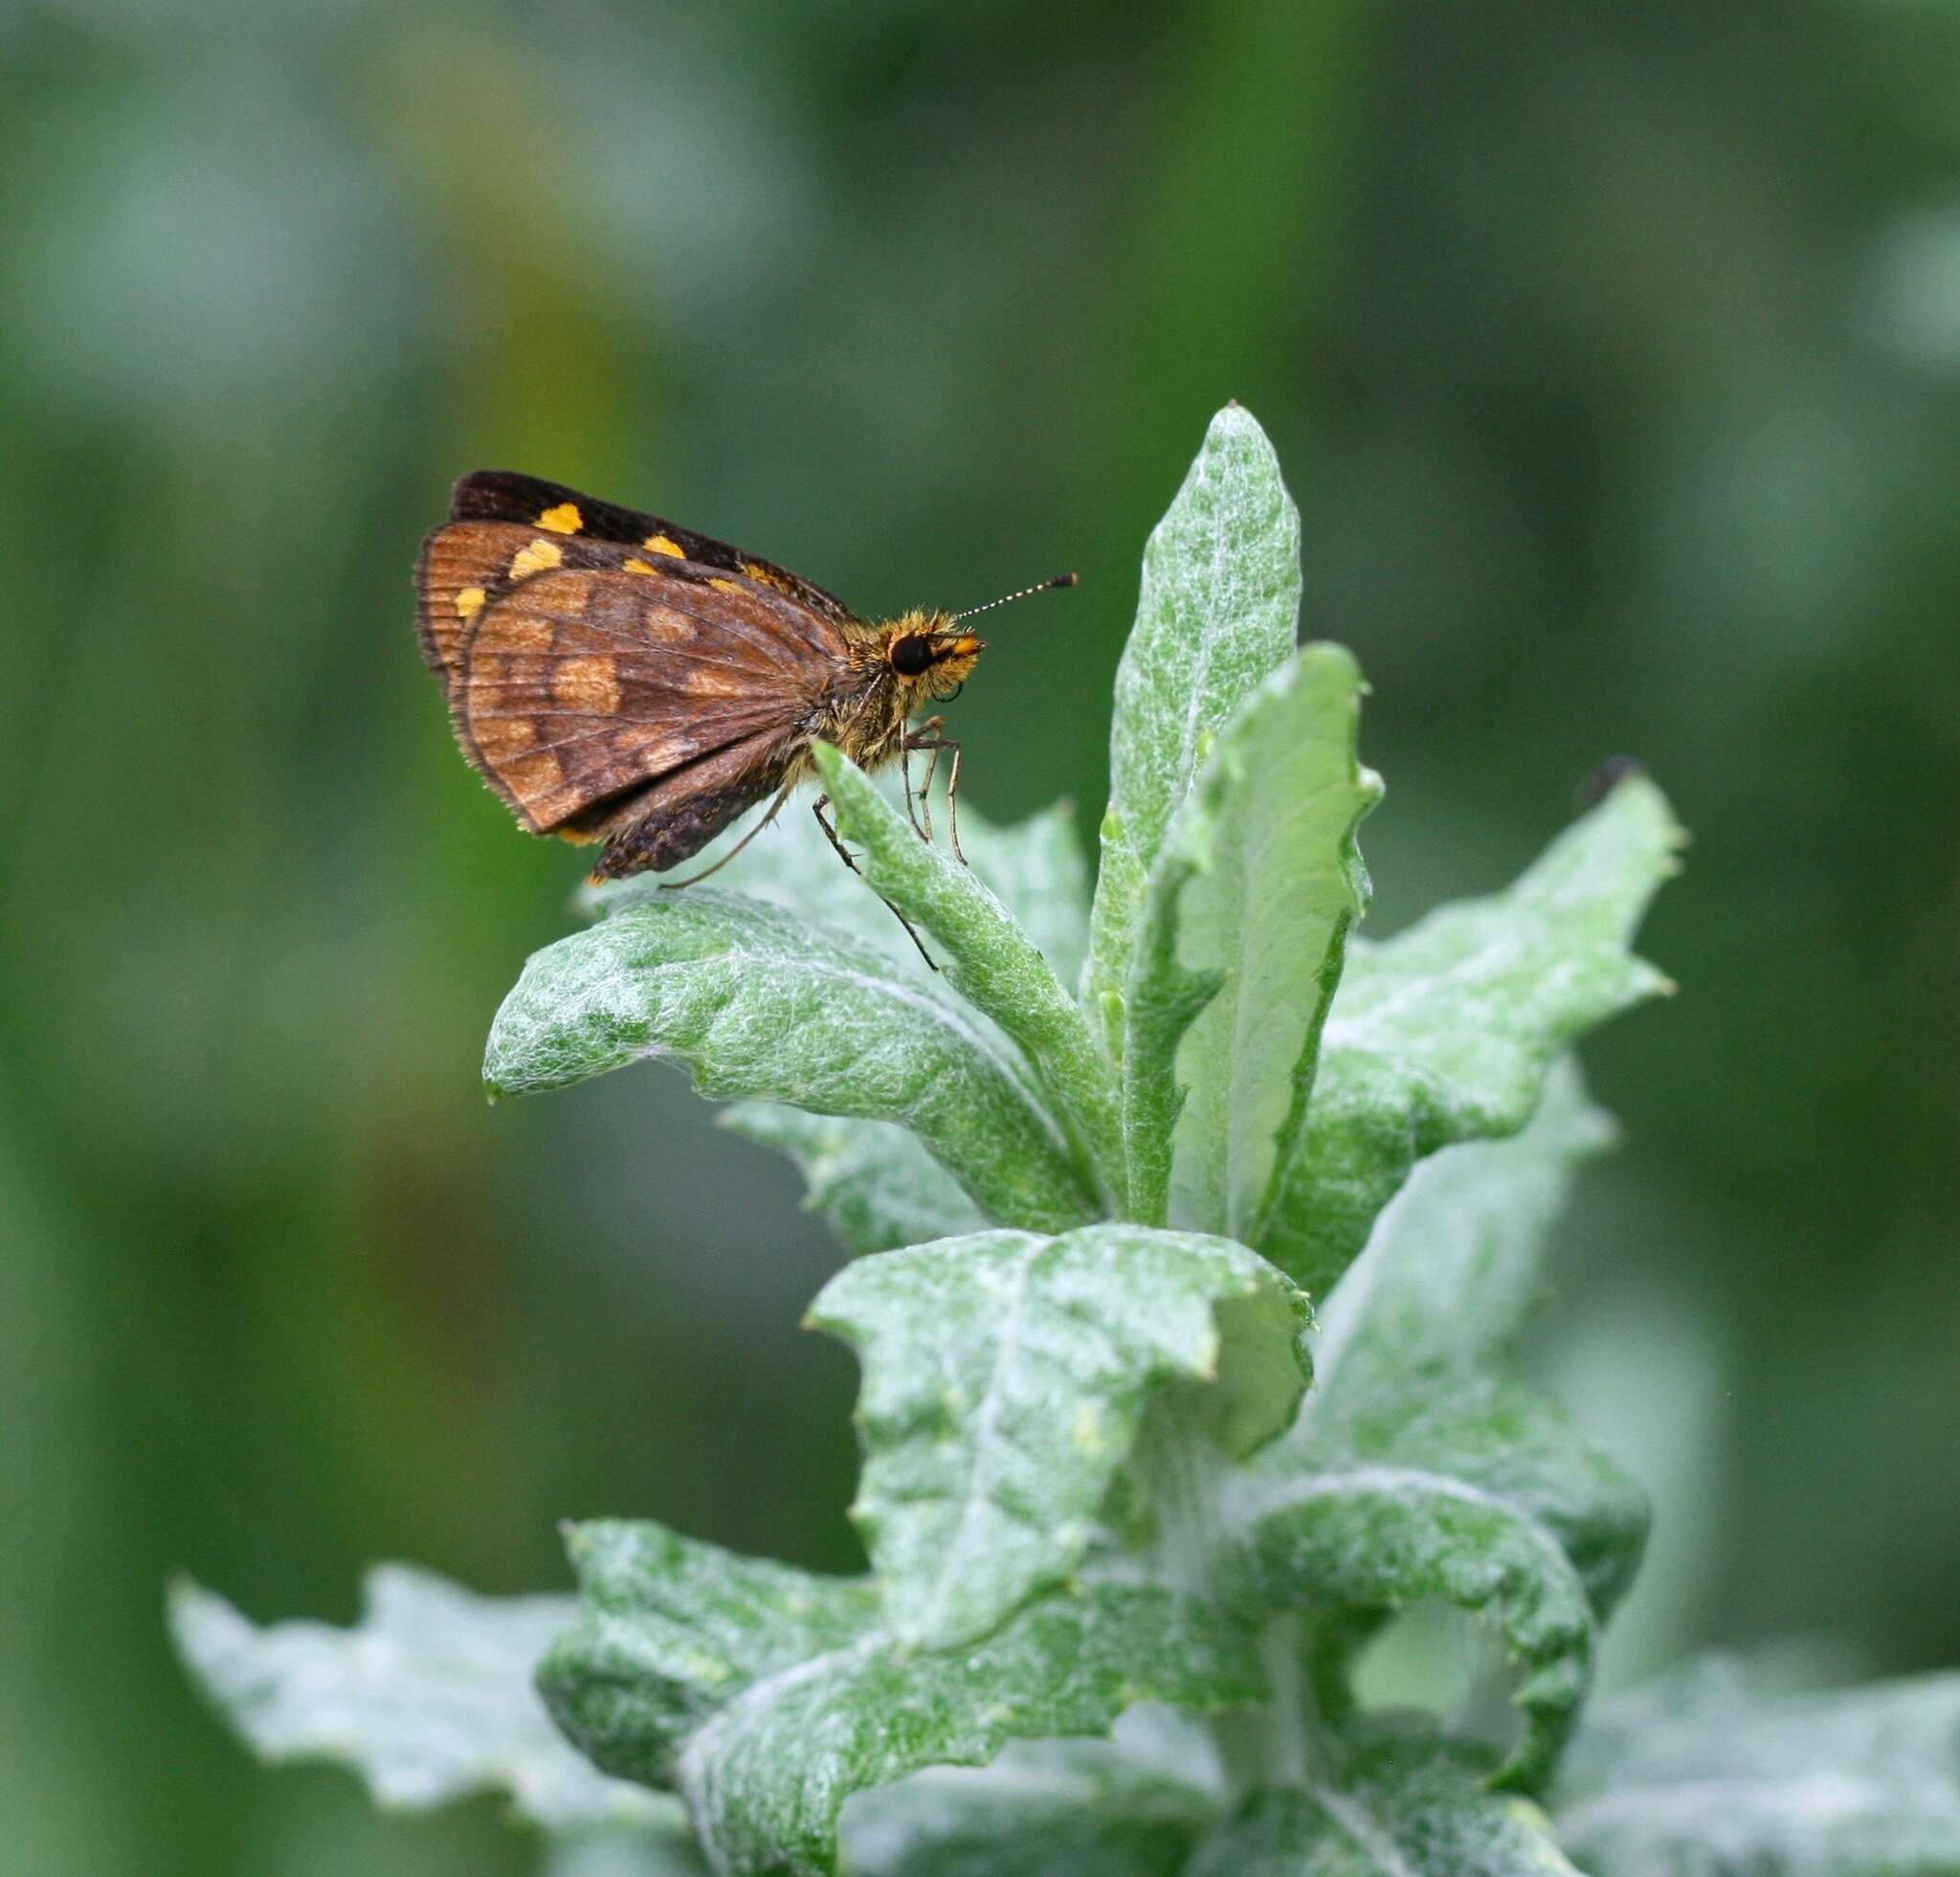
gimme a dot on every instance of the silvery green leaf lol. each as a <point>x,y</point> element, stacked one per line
<point>871,1180</point>
<point>790,865</point>
<point>674,1629</point>
<point>1005,1377</point>
<point>1255,886</point>
<point>429,1698</point>
<point>878,1187</point>
<point>1699,1775</point>
<point>766,1780</point>
<point>1215,617</point>
<point>989,960</point>
<point>1059,1808</point>
<point>769,1697</point>
<point>1519,1449</point>
<point>1479,1441</point>
<point>1452,1268</point>
<point>1035,868</point>
<point>1414,1470</point>
<point>1389,1804</point>
<point>1445,1032</point>
<point>1414,1331</point>
<point>758,1003</point>
<point>1355,1537</point>
<point>1037,871</point>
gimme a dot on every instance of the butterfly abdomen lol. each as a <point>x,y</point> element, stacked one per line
<point>673,819</point>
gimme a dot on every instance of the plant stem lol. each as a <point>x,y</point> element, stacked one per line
<point>1182,1467</point>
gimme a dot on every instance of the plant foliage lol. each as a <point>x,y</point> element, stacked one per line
<point>1091,1167</point>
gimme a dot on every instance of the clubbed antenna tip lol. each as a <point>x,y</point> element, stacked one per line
<point>1040,587</point>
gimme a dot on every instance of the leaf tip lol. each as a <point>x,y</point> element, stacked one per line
<point>829,760</point>
<point>1593,789</point>
<point>190,1613</point>
<point>204,1627</point>
<point>578,1538</point>
<point>1234,416</point>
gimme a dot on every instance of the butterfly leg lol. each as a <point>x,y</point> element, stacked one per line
<point>906,789</point>
<point>850,859</point>
<point>829,833</point>
<point>928,737</point>
<point>920,739</point>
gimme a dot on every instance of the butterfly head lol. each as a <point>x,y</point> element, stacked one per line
<point>930,654</point>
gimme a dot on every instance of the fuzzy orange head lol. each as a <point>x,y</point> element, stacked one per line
<point>932,657</point>
<point>929,655</point>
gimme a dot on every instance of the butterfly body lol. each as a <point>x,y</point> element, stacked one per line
<point>616,677</point>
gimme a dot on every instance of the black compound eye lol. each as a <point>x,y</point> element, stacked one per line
<point>912,654</point>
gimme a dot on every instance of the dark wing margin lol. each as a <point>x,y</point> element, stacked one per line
<point>503,495</point>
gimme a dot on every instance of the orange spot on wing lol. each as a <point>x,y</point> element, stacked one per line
<point>535,558</point>
<point>565,519</point>
<point>589,684</point>
<point>501,737</point>
<point>663,623</point>
<point>661,543</point>
<point>727,585</point>
<point>469,602</point>
<point>534,775</point>
<point>519,631</point>
<point>638,565</point>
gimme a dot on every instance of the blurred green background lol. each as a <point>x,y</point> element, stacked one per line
<point>1613,353</point>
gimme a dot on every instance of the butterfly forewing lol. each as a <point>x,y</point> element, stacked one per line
<point>502,495</point>
<point>470,566</point>
<point>580,689</point>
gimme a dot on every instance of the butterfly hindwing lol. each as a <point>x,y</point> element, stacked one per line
<point>673,819</point>
<point>502,495</point>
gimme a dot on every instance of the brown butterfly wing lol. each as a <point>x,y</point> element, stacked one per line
<point>596,700</point>
<point>502,495</point>
<point>468,567</point>
<point>674,818</point>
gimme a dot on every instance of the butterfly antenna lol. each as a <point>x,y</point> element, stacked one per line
<point>1040,587</point>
